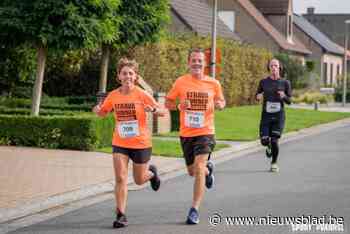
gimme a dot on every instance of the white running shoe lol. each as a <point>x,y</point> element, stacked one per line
<point>274,167</point>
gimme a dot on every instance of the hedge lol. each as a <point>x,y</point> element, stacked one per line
<point>338,96</point>
<point>62,132</point>
<point>52,103</point>
<point>26,111</point>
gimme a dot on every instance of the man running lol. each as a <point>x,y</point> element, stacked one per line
<point>275,92</point>
<point>198,96</point>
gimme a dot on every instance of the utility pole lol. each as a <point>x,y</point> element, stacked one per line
<point>213,40</point>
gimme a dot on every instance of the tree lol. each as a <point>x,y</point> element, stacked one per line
<point>141,21</point>
<point>58,26</point>
<point>17,67</point>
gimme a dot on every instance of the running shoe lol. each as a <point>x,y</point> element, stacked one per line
<point>121,221</point>
<point>155,180</point>
<point>209,179</point>
<point>274,167</point>
<point>193,216</point>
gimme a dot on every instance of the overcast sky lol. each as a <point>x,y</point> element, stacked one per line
<point>322,6</point>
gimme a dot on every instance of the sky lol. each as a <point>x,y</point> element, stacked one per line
<point>322,6</point>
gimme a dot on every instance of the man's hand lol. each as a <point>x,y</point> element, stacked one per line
<point>184,105</point>
<point>170,104</point>
<point>160,112</point>
<point>259,96</point>
<point>97,110</point>
<point>219,104</point>
<point>155,110</point>
<point>282,94</point>
<point>149,108</point>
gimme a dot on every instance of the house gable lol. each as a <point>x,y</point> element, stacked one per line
<point>196,15</point>
<point>251,23</point>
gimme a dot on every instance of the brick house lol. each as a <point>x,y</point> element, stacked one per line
<point>327,54</point>
<point>196,16</point>
<point>265,23</point>
<point>331,25</point>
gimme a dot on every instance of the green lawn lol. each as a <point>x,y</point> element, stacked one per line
<point>169,148</point>
<point>242,123</point>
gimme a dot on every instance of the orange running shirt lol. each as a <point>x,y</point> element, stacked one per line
<point>199,119</point>
<point>130,118</point>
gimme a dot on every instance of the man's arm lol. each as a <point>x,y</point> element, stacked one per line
<point>219,99</point>
<point>287,98</point>
<point>259,92</point>
<point>170,104</point>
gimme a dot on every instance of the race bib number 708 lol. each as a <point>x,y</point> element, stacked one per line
<point>127,129</point>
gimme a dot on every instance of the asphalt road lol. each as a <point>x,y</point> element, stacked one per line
<point>313,181</point>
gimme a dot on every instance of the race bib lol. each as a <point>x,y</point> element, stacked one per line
<point>127,129</point>
<point>273,107</point>
<point>194,119</point>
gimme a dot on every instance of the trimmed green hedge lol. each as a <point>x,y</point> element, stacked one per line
<point>26,111</point>
<point>62,132</point>
<point>338,96</point>
<point>53,104</point>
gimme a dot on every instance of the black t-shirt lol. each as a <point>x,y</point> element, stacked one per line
<point>270,88</point>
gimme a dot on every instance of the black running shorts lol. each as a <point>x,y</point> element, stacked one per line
<point>193,146</point>
<point>272,125</point>
<point>138,156</point>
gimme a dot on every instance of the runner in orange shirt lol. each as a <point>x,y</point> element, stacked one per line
<point>198,95</point>
<point>131,138</point>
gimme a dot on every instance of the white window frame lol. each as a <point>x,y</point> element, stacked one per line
<point>229,18</point>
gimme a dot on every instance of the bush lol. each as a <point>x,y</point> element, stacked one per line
<point>338,95</point>
<point>81,100</point>
<point>26,111</point>
<point>16,102</point>
<point>48,103</point>
<point>77,73</point>
<point>313,97</point>
<point>63,132</point>
<point>310,65</point>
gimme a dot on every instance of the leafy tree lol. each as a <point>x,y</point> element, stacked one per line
<point>17,66</point>
<point>58,26</point>
<point>141,21</point>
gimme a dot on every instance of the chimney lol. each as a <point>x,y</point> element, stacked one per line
<point>310,10</point>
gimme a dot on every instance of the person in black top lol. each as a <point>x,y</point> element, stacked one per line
<point>274,91</point>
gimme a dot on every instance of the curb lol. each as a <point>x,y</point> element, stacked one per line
<point>176,169</point>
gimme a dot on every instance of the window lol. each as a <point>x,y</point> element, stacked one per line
<point>290,25</point>
<point>338,74</point>
<point>325,71</point>
<point>228,17</point>
<point>331,75</point>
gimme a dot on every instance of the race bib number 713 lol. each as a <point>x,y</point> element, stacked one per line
<point>194,119</point>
